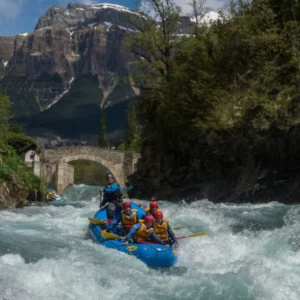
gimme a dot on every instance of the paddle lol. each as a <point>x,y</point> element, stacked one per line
<point>96,221</point>
<point>101,197</point>
<point>178,238</point>
<point>177,228</point>
<point>192,235</point>
<point>110,236</point>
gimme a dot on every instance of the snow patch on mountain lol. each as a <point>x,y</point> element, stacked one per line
<point>61,95</point>
<point>113,6</point>
<point>208,18</point>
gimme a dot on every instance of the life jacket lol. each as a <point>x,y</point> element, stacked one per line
<point>128,221</point>
<point>161,230</point>
<point>148,212</point>
<point>109,221</point>
<point>143,233</point>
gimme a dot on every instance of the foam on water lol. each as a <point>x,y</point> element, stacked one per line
<point>251,252</point>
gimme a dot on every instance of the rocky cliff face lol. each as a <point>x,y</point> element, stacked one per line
<point>43,71</point>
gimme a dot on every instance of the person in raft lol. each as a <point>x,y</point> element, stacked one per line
<point>152,209</point>
<point>163,230</point>
<point>143,232</point>
<point>112,195</point>
<point>128,219</point>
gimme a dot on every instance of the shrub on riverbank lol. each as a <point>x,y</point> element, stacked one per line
<point>17,181</point>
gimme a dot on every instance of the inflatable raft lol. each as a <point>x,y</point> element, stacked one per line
<point>58,201</point>
<point>153,255</point>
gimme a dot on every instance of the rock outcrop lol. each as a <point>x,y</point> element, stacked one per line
<point>264,171</point>
<point>11,196</point>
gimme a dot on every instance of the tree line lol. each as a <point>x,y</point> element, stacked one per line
<point>210,94</point>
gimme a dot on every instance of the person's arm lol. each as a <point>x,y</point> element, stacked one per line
<point>104,201</point>
<point>171,234</point>
<point>132,231</point>
<point>127,189</point>
<point>113,225</point>
<point>155,237</point>
<point>137,217</point>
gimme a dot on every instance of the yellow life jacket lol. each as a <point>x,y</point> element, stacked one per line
<point>148,212</point>
<point>161,230</point>
<point>128,221</point>
<point>143,233</point>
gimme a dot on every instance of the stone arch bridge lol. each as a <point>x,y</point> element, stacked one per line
<point>54,168</point>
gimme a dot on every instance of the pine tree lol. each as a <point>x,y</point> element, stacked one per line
<point>4,116</point>
<point>102,141</point>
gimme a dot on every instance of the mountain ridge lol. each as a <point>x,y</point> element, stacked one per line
<point>39,70</point>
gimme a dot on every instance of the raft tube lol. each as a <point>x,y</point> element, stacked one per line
<point>153,255</point>
<point>60,201</point>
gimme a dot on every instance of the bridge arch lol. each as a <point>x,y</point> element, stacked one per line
<point>56,162</point>
<point>115,169</point>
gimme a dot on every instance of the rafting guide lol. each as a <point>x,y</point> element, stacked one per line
<point>112,195</point>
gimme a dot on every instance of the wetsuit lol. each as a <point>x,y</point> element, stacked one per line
<point>112,194</point>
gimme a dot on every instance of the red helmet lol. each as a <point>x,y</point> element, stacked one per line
<point>153,204</point>
<point>158,214</point>
<point>149,219</point>
<point>126,204</point>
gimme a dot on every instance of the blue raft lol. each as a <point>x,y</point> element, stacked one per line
<point>153,255</point>
<point>58,202</point>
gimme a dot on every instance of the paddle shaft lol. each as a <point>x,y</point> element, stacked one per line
<point>192,235</point>
<point>101,197</point>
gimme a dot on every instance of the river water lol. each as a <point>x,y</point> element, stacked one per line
<point>251,252</point>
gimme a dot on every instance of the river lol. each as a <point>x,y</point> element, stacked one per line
<point>250,252</point>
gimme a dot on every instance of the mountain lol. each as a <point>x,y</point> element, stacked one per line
<point>73,64</point>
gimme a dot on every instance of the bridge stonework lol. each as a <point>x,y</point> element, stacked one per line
<point>54,165</point>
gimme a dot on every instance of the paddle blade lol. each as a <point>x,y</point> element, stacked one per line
<point>192,235</point>
<point>177,228</point>
<point>110,236</point>
<point>96,221</point>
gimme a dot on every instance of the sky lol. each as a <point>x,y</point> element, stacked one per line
<point>18,16</point>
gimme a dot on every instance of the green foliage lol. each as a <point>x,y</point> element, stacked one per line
<point>16,128</point>
<point>4,116</point>
<point>19,140</point>
<point>88,172</point>
<point>153,46</point>
<point>131,131</point>
<point>13,169</point>
<point>121,147</point>
<point>239,78</point>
